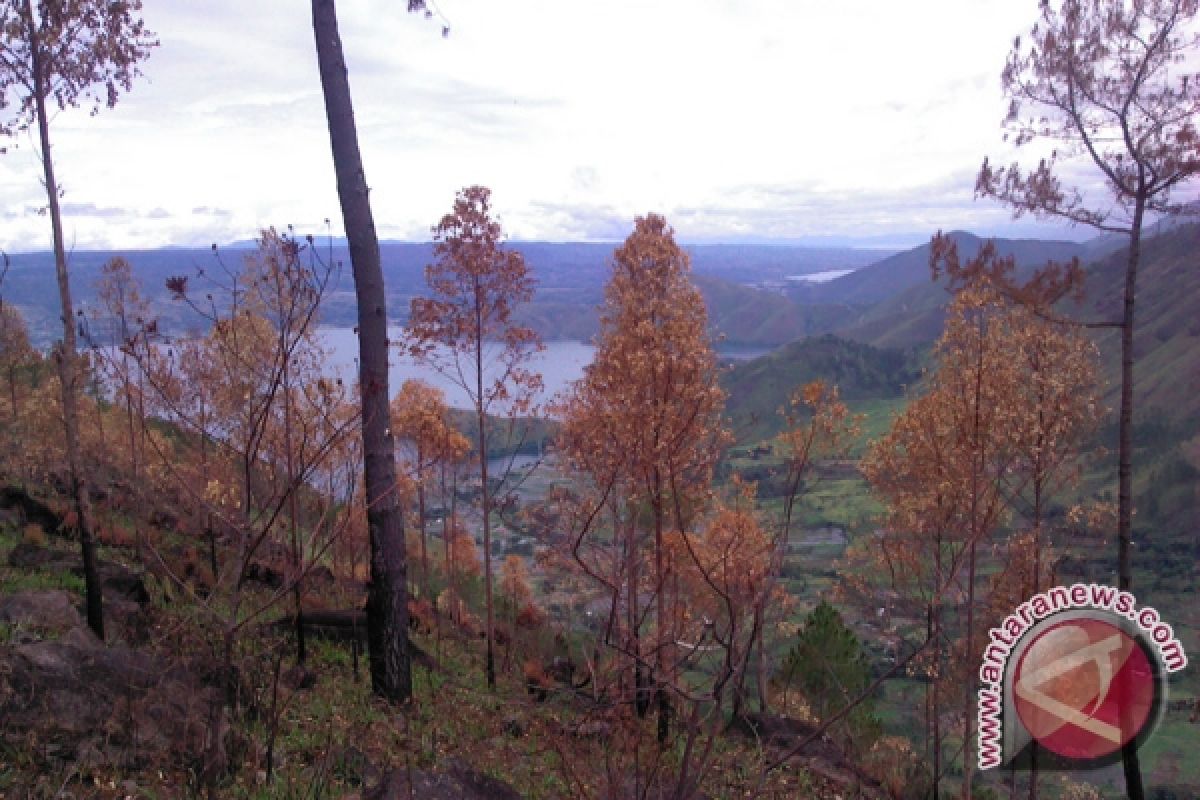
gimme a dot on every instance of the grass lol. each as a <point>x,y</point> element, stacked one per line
<point>1169,753</point>
<point>17,580</point>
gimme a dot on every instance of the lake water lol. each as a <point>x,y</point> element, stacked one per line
<point>559,364</point>
<point>820,277</point>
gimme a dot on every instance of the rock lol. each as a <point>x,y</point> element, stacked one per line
<point>50,610</point>
<point>125,621</point>
<point>29,509</point>
<point>51,659</point>
<point>117,707</point>
<point>338,625</point>
<point>478,785</point>
<point>320,576</point>
<point>10,517</point>
<point>117,581</point>
<point>82,638</point>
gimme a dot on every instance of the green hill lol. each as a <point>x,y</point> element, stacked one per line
<point>758,389</point>
<point>748,316</point>
<point>1167,372</point>
<point>886,280</point>
<point>907,308</point>
<point>1167,338</point>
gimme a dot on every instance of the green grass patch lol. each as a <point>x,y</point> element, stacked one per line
<point>21,580</point>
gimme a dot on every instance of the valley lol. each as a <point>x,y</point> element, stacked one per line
<point>869,331</point>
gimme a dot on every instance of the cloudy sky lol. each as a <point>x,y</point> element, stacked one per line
<point>736,118</point>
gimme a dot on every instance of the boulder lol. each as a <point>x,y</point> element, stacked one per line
<point>104,707</point>
<point>29,509</point>
<point>49,610</point>
<point>126,599</point>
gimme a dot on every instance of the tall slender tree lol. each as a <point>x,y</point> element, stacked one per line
<point>1108,83</point>
<point>645,422</point>
<point>466,331</point>
<point>387,602</point>
<point>1056,407</point>
<point>68,54</point>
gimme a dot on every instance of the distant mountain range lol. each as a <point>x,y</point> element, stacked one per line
<point>570,281</point>
<point>873,348</point>
<point>887,301</point>
<point>899,305</point>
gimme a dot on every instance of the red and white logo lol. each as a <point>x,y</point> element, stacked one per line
<point>1084,688</point>
<point>1079,671</point>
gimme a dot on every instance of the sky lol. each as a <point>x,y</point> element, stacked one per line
<point>737,119</point>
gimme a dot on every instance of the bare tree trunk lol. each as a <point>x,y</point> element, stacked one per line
<point>1129,755</point>
<point>764,697</point>
<point>662,659</point>
<point>1037,578</point>
<point>424,535</point>
<point>640,701</point>
<point>68,359</point>
<point>481,420</point>
<point>935,621</point>
<point>134,466</point>
<point>387,603</point>
<point>968,686</point>
<point>297,576</point>
<point>209,531</point>
<point>449,526</point>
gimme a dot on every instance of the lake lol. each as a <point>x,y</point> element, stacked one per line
<point>820,277</point>
<point>560,364</point>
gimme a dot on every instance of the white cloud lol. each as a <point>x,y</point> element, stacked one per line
<point>757,117</point>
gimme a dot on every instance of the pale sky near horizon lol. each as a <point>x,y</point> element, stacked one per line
<point>735,118</point>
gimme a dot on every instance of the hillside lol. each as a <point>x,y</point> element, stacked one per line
<point>887,279</point>
<point>1168,336</point>
<point>748,316</point>
<point>1167,340</point>
<point>758,389</point>
<point>906,306</point>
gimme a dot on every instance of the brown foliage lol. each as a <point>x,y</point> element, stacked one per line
<point>465,330</point>
<point>1107,82</point>
<point>996,433</point>
<point>421,616</point>
<point>88,52</point>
